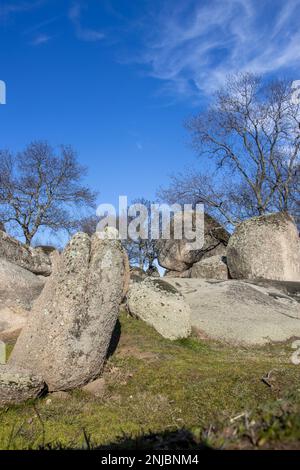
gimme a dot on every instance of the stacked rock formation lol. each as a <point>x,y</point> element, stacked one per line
<point>180,261</point>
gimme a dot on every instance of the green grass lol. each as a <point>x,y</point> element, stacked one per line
<point>212,391</point>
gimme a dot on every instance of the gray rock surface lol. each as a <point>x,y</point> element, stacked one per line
<point>18,286</point>
<point>12,320</point>
<point>214,267</point>
<point>137,274</point>
<point>265,247</point>
<point>175,255</point>
<point>153,272</point>
<point>26,257</point>
<point>161,306</point>
<point>289,288</point>
<point>184,274</point>
<point>240,313</point>
<point>46,249</point>
<point>126,282</point>
<point>18,290</point>
<point>67,335</point>
<point>17,385</point>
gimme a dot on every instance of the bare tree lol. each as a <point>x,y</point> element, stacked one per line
<point>39,188</point>
<point>248,143</point>
<point>141,251</point>
<point>88,224</point>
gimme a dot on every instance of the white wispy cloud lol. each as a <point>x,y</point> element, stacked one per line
<point>41,39</point>
<point>10,8</point>
<point>43,24</point>
<point>83,33</point>
<point>194,45</point>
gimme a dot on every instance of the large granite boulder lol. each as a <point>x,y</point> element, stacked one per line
<point>265,247</point>
<point>18,286</point>
<point>241,312</point>
<point>18,290</point>
<point>161,306</point>
<point>34,260</point>
<point>176,255</point>
<point>67,335</point>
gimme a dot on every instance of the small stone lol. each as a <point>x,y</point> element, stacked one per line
<point>96,388</point>
<point>18,385</point>
<point>60,395</point>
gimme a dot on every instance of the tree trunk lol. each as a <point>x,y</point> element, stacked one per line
<point>28,237</point>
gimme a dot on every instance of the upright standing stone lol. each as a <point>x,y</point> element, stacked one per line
<point>68,333</point>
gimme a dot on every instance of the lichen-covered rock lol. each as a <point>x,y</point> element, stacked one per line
<point>161,306</point>
<point>24,256</point>
<point>214,267</point>
<point>69,330</point>
<point>18,385</point>
<point>265,247</point>
<point>176,255</point>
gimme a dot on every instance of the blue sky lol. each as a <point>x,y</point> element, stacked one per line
<point>117,78</point>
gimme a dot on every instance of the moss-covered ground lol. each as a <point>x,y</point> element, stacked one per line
<point>165,394</point>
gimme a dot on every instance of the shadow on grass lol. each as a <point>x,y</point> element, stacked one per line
<point>181,439</point>
<point>168,440</point>
<point>115,338</point>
